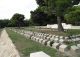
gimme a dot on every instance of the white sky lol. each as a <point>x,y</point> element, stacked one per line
<point>10,7</point>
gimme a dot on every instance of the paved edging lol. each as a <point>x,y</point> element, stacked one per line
<point>7,48</point>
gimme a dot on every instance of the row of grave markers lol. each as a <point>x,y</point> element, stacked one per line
<point>53,41</point>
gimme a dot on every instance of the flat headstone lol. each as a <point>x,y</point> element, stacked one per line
<point>53,35</point>
<point>66,37</point>
<point>56,36</point>
<point>56,40</point>
<point>37,39</point>
<point>69,40</point>
<point>62,48</point>
<point>51,39</point>
<point>39,54</point>
<point>44,41</point>
<point>78,45</point>
<point>34,39</point>
<point>73,39</point>
<point>54,45</point>
<point>48,38</point>
<point>48,43</point>
<point>77,39</point>
<point>74,48</point>
<point>40,40</point>
<point>61,40</point>
<point>61,37</point>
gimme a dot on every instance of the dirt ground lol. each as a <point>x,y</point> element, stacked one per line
<point>7,48</point>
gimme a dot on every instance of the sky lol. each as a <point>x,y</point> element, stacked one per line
<point>9,7</point>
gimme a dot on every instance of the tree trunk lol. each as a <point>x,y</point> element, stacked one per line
<point>60,27</point>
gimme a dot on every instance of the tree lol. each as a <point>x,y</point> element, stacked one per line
<point>57,7</point>
<point>40,2</point>
<point>73,16</point>
<point>4,23</point>
<point>26,22</point>
<point>40,18</point>
<point>17,20</point>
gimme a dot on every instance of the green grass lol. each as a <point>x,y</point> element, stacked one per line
<point>50,31</point>
<point>45,30</point>
<point>27,46</point>
<point>73,31</point>
<point>0,31</point>
<point>53,31</point>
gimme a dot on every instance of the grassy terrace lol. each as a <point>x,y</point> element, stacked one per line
<point>26,46</point>
<point>52,31</point>
<point>73,32</point>
<point>0,31</point>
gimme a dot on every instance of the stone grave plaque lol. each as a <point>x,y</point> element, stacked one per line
<point>39,54</point>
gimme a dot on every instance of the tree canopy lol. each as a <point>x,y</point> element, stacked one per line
<point>17,20</point>
<point>73,16</point>
<point>38,17</point>
<point>57,7</point>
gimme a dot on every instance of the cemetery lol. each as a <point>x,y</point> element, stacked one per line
<point>65,26</point>
<point>29,45</point>
<point>61,43</point>
<point>40,28</point>
<point>40,41</point>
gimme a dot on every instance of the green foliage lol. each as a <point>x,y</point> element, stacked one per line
<point>17,20</point>
<point>26,23</point>
<point>40,2</point>
<point>38,17</point>
<point>73,31</point>
<point>73,15</point>
<point>4,23</point>
<point>57,7</point>
<point>61,6</point>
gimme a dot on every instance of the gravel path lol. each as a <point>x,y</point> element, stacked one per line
<point>7,48</point>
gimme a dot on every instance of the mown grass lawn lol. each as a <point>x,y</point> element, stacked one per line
<point>73,31</point>
<point>27,46</point>
<point>0,31</point>
<point>50,31</point>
